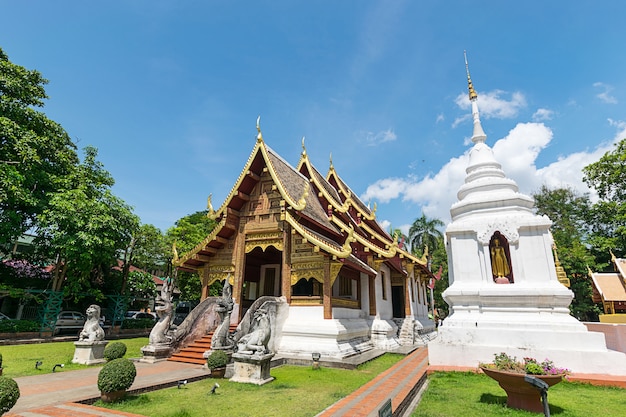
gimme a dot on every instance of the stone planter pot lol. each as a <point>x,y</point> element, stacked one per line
<point>218,372</point>
<point>520,394</point>
<point>109,397</point>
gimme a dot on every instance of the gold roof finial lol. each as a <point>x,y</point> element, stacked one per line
<point>175,252</point>
<point>331,161</point>
<point>259,137</point>
<point>303,147</point>
<point>209,207</point>
<point>472,92</point>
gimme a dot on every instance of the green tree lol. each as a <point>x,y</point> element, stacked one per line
<point>425,232</point>
<point>84,227</point>
<point>141,284</point>
<point>186,233</point>
<point>35,152</point>
<point>570,213</point>
<point>150,251</point>
<point>608,176</point>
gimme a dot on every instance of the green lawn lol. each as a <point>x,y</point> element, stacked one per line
<point>19,360</point>
<point>469,394</point>
<point>296,391</point>
<point>301,391</point>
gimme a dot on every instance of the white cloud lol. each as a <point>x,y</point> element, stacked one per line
<point>375,139</point>
<point>542,115</point>
<point>605,94</point>
<point>440,118</point>
<point>494,104</point>
<point>517,152</point>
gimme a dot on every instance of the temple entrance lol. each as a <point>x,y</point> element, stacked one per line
<point>261,275</point>
<point>397,300</point>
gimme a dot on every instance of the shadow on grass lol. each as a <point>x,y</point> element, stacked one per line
<point>501,400</point>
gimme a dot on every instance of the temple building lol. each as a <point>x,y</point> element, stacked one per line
<point>609,288</point>
<point>297,234</point>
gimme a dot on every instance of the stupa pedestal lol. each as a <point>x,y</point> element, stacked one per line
<point>252,369</point>
<point>89,353</point>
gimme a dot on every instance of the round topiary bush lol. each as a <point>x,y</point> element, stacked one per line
<point>117,375</point>
<point>9,393</point>
<point>114,350</point>
<point>217,359</point>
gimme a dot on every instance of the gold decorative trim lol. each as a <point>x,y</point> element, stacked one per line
<point>335,267</point>
<point>306,301</point>
<point>338,251</point>
<point>342,302</point>
<point>316,274</point>
<point>264,244</point>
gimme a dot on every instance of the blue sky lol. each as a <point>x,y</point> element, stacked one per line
<point>169,91</point>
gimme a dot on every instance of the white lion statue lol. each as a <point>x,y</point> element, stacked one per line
<point>92,332</point>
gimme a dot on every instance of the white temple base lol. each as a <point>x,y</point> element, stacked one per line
<point>89,353</point>
<point>305,331</point>
<point>470,336</point>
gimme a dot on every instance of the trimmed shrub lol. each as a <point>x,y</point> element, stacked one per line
<point>138,324</point>
<point>217,359</point>
<point>114,350</point>
<point>18,326</point>
<point>117,375</point>
<point>9,393</point>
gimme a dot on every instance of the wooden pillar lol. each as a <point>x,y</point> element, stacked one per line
<point>286,266</point>
<point>407,297</point>
<point>239,260</point>
<point>328,291</point>
<point>372,295</point>
<point>204,279</point>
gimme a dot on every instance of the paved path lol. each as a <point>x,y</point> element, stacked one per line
<point>399,384</point>
<point>57,394</point>
<point>44,392</point>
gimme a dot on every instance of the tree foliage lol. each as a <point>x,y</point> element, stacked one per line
<point>84,227</point>
<point>35,153</point>
<point>188,232</point>
<point>608,176</point>
<point>570,213</point>
<point>424,232</point>
<point>141,284</point>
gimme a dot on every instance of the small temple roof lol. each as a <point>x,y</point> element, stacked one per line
<point>609,286</point>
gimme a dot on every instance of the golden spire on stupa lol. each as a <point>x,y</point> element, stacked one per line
<point>470,86</point>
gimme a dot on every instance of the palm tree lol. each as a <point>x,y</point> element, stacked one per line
<point>424,232</point>
<point>397,234</point>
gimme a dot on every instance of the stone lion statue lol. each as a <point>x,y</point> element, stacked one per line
<point>92,332</point>
<point>256,341</point>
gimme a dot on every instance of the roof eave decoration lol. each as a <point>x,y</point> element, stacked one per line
<point>338,251</point>
<point>336,205</point>
<point>343,189</point>
<point>180,261</point>
<point>392,249</point>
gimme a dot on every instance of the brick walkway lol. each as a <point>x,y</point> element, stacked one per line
<point>399,383</point>
<point>51,394</point>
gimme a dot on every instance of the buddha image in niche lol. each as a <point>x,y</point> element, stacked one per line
<point>499,262</point>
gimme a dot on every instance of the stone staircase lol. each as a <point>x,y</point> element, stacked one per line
<point>194,352</point>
